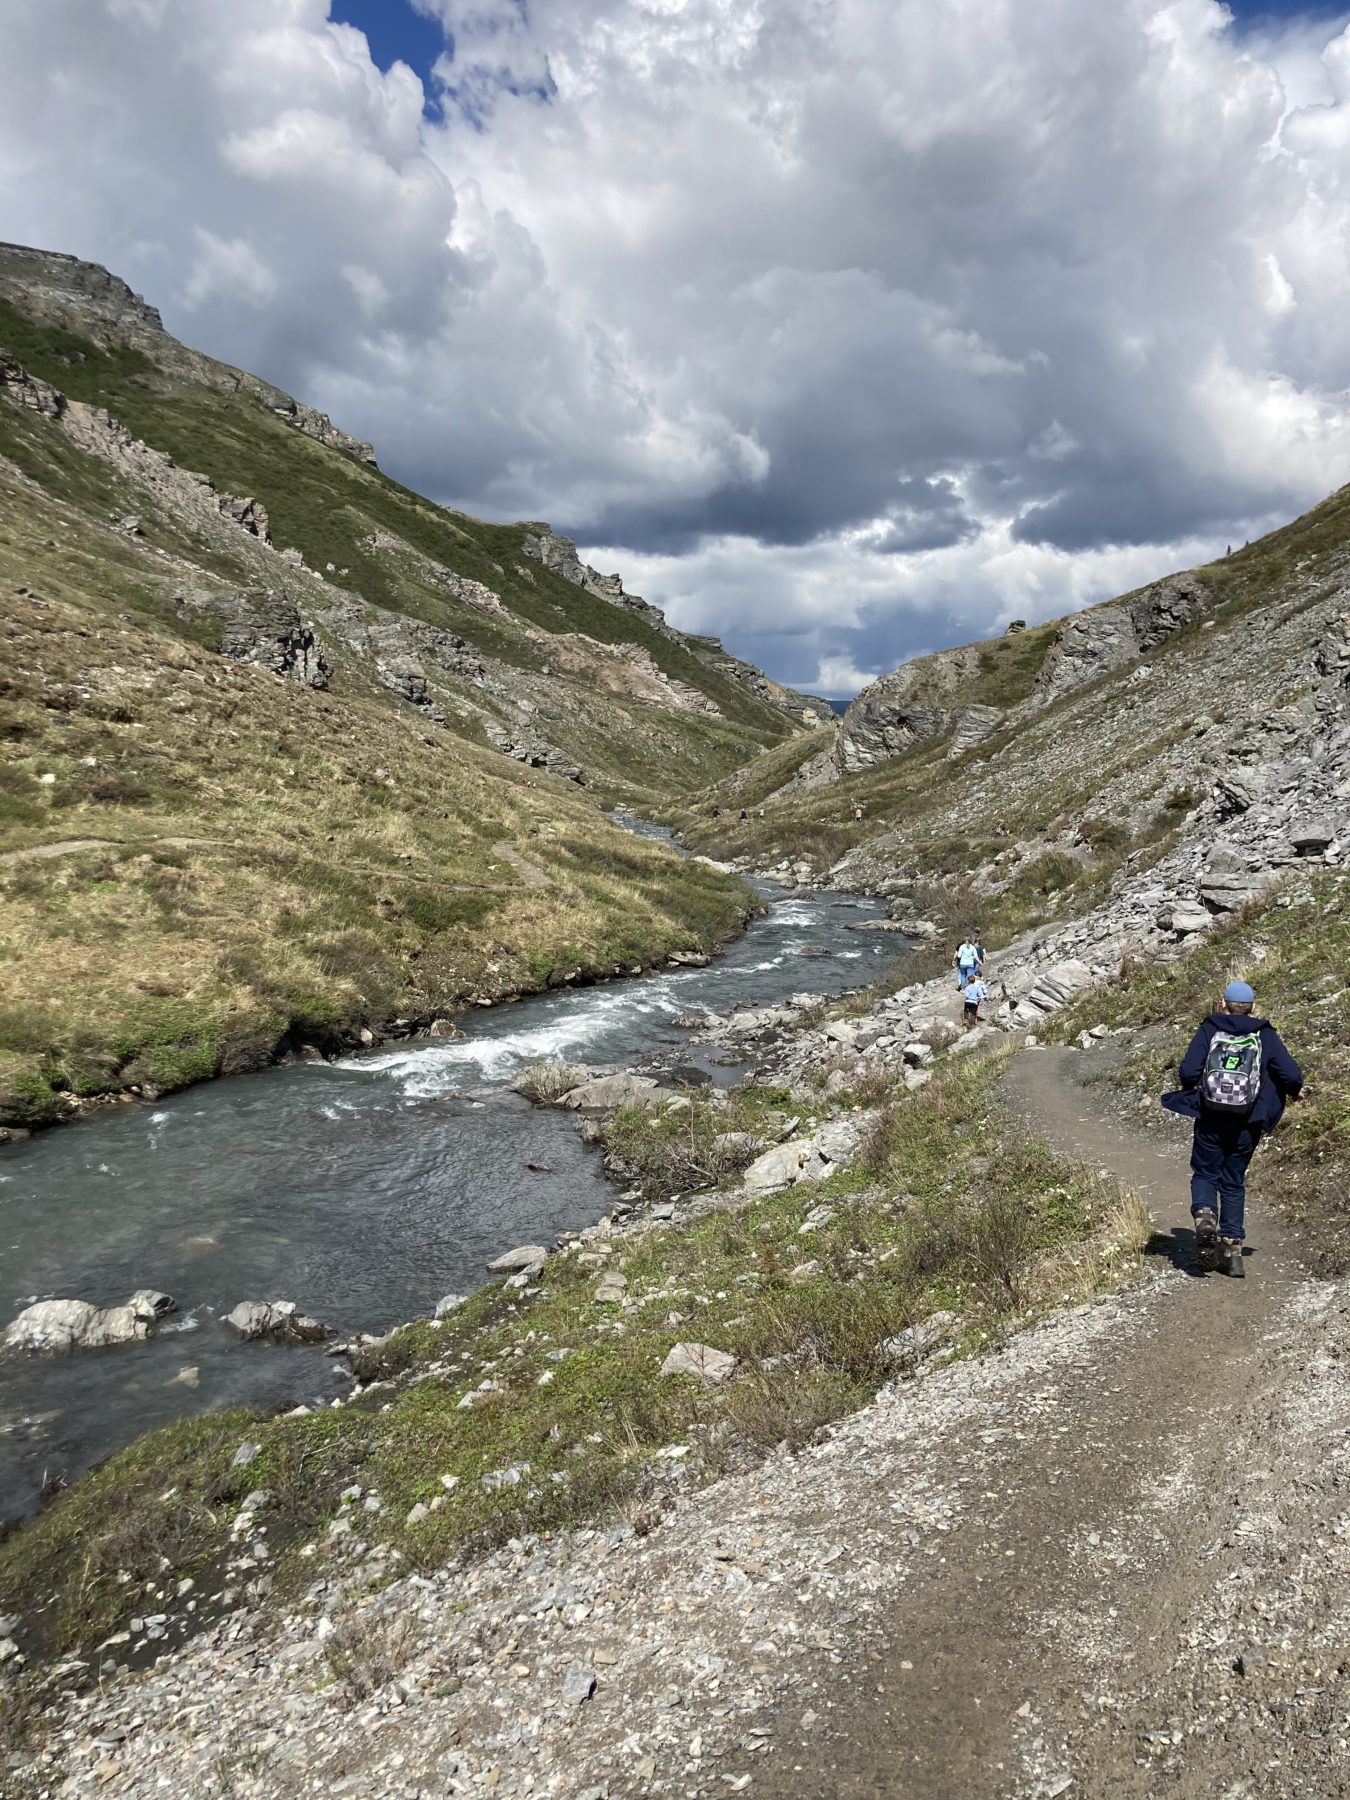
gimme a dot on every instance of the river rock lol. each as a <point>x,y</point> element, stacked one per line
<point>512,1262</point>
<point>55,1325</point>
<point>607,1093</point>
<point>701,1361</point>
<point>923,929</point>
<point>280,1320</point>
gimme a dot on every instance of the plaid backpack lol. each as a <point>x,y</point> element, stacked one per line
<point>1232,1077</point>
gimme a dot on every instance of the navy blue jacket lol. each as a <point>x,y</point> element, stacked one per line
<point>1281,1076</point>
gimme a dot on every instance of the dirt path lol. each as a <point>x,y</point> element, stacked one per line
<point>72,847</point>
<point>1037,1657</point>
<point>530,873</point>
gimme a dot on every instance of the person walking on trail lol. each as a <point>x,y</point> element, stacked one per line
<point>1235,1079</point>
<point>971,995</point>
<point>966,961</point>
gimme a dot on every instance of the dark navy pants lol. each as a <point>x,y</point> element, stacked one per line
<point>1220,1152</point>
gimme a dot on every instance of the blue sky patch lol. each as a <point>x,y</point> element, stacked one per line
<point>394,32</point>
<point>1263,12</point>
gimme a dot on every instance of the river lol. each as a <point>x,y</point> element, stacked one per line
<point>363,1190</point>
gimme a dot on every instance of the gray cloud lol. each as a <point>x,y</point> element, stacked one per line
<point>844,330</point>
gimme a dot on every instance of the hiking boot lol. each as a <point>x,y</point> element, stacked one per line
<point>1206,1240</point>
<point>1231,1258</point>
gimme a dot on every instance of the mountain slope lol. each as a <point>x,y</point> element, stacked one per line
<point>1188,725</point>
<point>281,735</point>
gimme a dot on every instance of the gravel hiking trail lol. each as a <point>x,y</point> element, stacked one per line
<point>1053,1648</point>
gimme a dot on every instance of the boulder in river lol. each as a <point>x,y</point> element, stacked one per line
<point>79,1325</point>
<point>607,1093</point>
<point>546,1082</point>
<point>280,1320</point>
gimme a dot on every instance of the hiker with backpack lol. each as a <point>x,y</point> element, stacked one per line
<point>1235,1079</point>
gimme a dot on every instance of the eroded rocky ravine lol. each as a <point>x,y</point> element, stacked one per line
<point>364,1190</point>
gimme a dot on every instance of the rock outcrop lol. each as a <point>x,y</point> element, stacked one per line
<point>939,694</point>
<point>38,396</point>
<point>915,703</point>
<point>559,554</point>
<point>62,1325</point>
<point>529,748</point>
<point>971,726</point>
<point>262,626</point>
<point>86,298</point>
<point>1105,638</point>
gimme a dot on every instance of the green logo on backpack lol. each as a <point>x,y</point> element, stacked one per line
<point>1232,1077</point>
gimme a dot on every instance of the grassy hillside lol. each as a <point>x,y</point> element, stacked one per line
<point>331,507</point>
<point>202,863</point>
<point>261,861</point>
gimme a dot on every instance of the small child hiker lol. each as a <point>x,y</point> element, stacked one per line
<point>1235,1079</point>
<point>971,995</point>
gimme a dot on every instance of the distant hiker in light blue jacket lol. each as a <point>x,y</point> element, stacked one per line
<point>1235,1079</point>
<point>967,960</point>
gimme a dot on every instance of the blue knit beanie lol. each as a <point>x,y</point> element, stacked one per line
<point>1240,993</point>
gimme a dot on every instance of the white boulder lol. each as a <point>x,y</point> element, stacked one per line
<point>56,1325</point>
<point>701,1361</point>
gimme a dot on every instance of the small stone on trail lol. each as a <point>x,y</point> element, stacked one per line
<point>578,1686</point>
<point>244,1455</point>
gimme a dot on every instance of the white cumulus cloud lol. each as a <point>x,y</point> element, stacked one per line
<point>844,330</point>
